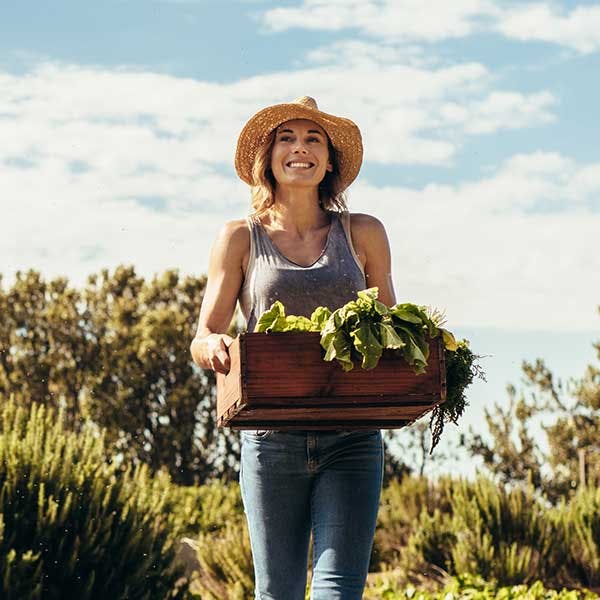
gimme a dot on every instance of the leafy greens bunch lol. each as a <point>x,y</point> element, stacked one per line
<point>363,328</point>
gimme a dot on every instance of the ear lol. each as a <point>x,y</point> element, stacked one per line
<point>329,167</point>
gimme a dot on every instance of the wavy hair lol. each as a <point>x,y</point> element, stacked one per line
<point>331,193</point>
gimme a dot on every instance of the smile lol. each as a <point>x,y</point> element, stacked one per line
<point>299,165</point>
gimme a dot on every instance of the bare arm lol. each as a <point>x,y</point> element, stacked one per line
<point>225,276</point>
<point>373,249</point>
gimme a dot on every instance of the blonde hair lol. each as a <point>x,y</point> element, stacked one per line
<point>331,193</point>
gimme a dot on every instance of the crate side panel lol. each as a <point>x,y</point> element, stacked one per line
<point>292,365</point>
<point>229,393</point>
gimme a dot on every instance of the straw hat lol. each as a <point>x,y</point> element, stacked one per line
<point>343,133</point>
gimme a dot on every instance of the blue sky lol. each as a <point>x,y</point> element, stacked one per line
<point>118,123</point>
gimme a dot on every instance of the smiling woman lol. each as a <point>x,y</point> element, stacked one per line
<point>302,247</point>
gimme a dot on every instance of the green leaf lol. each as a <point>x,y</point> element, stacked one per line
<point>369,294</point>
<point>416,350</point>
<point>337,346</point>
<point>389,337</point>
<point>405,315</point>
<point>296,323</point>
<point>270,317</point>
<point>449,340</point>
<point>319,317</point>
<point>381,308</point>
<point>367,344</point>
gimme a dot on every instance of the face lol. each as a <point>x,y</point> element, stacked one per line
<point>300,154</point>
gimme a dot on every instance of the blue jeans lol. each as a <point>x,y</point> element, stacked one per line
<point>327,482</point>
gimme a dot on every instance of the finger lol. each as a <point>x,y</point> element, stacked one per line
<point>221,368</point>
<point>227,340</point>
<point>218,367</point>
<point>223,358</point>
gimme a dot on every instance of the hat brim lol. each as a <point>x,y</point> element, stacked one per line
<point>344,135</point>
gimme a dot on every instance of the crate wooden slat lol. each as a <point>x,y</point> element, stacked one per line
<point>280,381</point>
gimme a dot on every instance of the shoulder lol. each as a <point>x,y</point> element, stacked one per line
<point>232,243</point>
<point>366,226</point>
<point>234,233</point>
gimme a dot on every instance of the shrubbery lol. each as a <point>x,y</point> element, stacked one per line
<point>74,525</point>
<point>71,525</point>
<point>472,588</point>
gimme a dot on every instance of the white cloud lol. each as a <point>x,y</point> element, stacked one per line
<point>362,54</point>
<point>438,20</point>
<point>514,250</point>
<point>508,110</point>
<point>577,29</point>
<point>407,20</point>
<point>86,153</point>
<point>120,121</point>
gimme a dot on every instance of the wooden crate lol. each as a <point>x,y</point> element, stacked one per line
<point>280,381</point>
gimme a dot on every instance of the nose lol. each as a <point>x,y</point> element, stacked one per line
<point>299,147</point>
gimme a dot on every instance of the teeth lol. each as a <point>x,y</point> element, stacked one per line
<point>299,164</point>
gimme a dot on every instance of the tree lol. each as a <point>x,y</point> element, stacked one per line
<point>116,354</point>
<point>569,414</point>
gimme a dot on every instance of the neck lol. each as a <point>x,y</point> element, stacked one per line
<point>298,209</point>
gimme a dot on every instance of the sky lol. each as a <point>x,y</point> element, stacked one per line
<point>119,120</point>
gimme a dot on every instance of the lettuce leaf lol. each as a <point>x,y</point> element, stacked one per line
<point>367,344</point>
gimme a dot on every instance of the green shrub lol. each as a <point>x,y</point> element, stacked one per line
<point>402,502</point>
<point>226,569</point>
<point>507,535</point>
<point>582,530</point>
<point>467,587</point>
<point>200,508</point>
<point>72,525</point>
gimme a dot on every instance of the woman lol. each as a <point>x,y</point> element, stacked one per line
<point>300,246</point>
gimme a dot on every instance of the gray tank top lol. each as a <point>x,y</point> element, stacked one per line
<point>332,280</point>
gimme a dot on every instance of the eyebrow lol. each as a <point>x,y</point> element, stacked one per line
<point>309,131</point>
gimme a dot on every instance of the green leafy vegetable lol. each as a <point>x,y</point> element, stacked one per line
<point>362,329</point>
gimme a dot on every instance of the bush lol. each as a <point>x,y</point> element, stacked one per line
<point>581,523</point>
<point>71,525</point>
<point>472,588</point>
<point>505,535</point>
<point>402,502</point>
<point>226,569</point>
<point>200,508</point>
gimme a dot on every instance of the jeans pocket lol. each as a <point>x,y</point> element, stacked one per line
<point>259,434</point>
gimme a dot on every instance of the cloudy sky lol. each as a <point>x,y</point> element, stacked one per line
<point>119,118</point>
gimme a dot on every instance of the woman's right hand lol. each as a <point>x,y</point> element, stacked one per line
<point>217,352</point>
<point>210,345</point>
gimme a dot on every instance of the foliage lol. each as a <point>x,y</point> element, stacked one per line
<point>461,368</point>
<point>570,416</point>
<point>507,535</point>
<point>581,524</point>
<point>402,502</point>
<point>468,587</point>
<point>514,456</point>
<point>71,524</point>
<point>226,569</point>
<point>363,328</point>
<point>115,355</point>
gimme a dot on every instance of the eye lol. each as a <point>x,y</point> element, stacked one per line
<point>314,139</point>
<point>284,138</point>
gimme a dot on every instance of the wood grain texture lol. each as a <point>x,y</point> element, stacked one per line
<point>282,378</point>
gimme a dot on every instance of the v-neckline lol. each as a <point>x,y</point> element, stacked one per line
<point>282,255</point>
